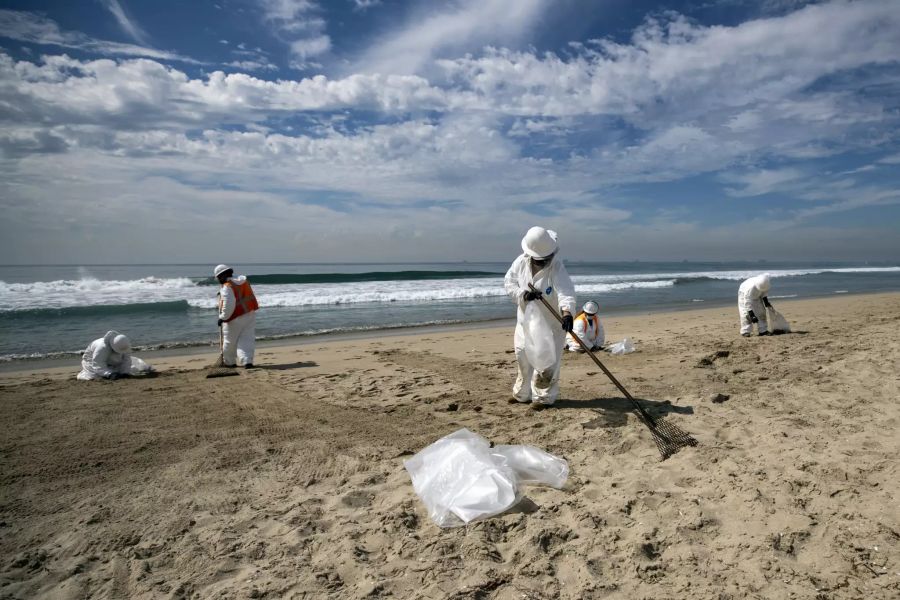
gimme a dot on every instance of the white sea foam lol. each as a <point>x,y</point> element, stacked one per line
<point>92,292</point>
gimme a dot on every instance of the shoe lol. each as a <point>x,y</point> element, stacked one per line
<point>249,366</point>
<point>515,400</point>
<point>745,335</point>
<point>764,333</point>
<point>536,406</point>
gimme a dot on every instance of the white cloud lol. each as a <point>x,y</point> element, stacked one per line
<point>459,26</point>
<point>764,181</point>
<point>147,94</point>
<point>298,24</point>
<point>130,27</point>
<point>365,4</point>
<point>35,29</point>
<point>310,47</point>
<point>252,65</point>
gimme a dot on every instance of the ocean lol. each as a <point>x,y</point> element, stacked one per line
<point>55,311</point>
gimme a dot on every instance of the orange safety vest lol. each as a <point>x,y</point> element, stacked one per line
<point>244,300</point>
<point>587,326</point>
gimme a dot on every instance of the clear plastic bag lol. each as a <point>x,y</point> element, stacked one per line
<point>626,346</point>
<point>460,478</point>
<point>139,367</point>
<point>542,345</point>
<point>533,466</point>
<point>776,321</point>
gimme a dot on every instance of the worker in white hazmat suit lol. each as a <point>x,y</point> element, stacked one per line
<point>752,303</point>
<point>539,338</point>
<point>588,328</point>
<point>237,317</point>
<point>110,357</point>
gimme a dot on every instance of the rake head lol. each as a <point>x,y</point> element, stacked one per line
<point>669,438</point>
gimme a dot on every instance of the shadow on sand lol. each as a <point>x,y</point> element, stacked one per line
<point>288,366</point>
<point>613,412</point>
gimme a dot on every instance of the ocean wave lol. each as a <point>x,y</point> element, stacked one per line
<point>301,279</point>
<point>288,290</point>
<point>692,277</point>
<point>91,292</point>
<point>337,295</point>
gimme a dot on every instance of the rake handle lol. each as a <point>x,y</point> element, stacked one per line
<point>595,359</point>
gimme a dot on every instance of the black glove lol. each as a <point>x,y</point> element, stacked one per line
<point>529,296</point>
<point>568,323</point>
<point>752,317</point>
<point>766,301</point>
<point>219,322</point>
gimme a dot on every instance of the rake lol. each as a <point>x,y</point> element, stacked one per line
<point>218,368</point>
<point>669,438</point>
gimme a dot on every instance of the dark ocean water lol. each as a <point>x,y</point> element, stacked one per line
<point>58,310</point>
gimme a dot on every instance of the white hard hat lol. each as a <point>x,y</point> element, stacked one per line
<point>539,242</point>
<point>764,283</point>
<point>590,308</point>
<point>220,269</point>
<point>121,344</point>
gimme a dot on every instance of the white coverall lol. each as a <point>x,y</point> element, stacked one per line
<point>562,295</point>
<point>750,296</point>
<point>589,329</point>
<point>238,335</point>
<point>100,361</point>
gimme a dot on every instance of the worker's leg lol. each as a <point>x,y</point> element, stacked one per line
<point>522,387</point>
<point>246,346</point>
<point>230,333</point>
<point>545,386</point>
<point>743,309</point>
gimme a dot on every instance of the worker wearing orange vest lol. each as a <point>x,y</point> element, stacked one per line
<point>588,328</point>
<point>237,317</point>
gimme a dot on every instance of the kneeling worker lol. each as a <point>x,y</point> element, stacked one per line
<point>237,317</point>
<point>110,357</point>
<point>588,328</point>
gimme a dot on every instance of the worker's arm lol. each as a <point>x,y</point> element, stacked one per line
<point>228,303</point>
<point>511,282</point>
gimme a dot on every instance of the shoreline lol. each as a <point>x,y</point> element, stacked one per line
<point>180,354</point>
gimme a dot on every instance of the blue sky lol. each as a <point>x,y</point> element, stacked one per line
<point>366,130</point>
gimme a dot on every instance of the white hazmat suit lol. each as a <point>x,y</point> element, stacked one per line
<point>238,334</point>
<point>109,357</point>
<point>534,323</point>
<point>750,298</point>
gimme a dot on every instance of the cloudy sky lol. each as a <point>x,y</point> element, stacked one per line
<point>363,130</point>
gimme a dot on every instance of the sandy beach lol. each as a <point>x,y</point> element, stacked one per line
<point>287,481</point>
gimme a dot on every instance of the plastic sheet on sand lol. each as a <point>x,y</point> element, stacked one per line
<point>460,478</point>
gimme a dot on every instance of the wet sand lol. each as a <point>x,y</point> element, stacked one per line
<point>287,480</point>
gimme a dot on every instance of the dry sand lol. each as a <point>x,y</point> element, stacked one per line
<point>288,481</point>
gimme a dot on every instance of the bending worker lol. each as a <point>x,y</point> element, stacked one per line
<point>539,339</point>
<point>108,357</point>
<point>237,317</point>
<point>587,328</point>
<point>752,303</point>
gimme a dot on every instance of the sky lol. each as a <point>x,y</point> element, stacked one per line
<point>163,131</point>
